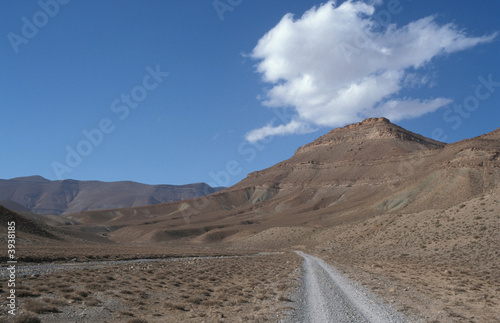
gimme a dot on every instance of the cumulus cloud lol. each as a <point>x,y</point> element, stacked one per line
<point>337,64</point>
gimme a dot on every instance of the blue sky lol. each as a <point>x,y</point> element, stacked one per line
<point>207,100</point>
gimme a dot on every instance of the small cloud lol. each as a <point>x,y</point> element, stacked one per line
<point>294,127</point>
<point>332,66</point>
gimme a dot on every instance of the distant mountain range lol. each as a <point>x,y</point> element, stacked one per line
<point>42,196</point>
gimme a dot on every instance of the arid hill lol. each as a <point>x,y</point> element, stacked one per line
<point>350,174</point>
<point>42,196</point>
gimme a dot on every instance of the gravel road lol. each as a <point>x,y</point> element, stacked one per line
<point>326,295</point>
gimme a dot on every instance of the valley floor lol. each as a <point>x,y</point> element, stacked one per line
<point>226,286</point>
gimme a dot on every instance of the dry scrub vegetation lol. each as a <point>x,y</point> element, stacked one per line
<point>224,289</point>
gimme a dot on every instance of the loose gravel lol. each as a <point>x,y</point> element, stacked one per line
<point>326,295</point>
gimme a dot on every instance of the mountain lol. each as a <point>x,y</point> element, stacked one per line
<point>42,196</point>
<point>349,175</point>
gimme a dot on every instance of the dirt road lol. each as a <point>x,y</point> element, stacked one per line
<point>329,296</point>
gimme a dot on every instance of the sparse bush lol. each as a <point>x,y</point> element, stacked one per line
<point>137,321</point>
<point>126,313</point>
<point>92,302</point>
<point>67,290</point>
<point>73,297</point>
<point>42,289</point>
<point>54,301</point>
<point>27,318</point>
<point>178,307</point>
<point>94,287</point>
<point>196,300</point>
<point>39,307</point>
<point>284,299</point>
<point>26,293</point>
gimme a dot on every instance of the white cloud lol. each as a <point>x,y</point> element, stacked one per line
<point>293,127</point>
<point>335,65</point>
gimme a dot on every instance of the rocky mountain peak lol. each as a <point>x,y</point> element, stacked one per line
<point>369,122</point>
<point>368,130</point>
